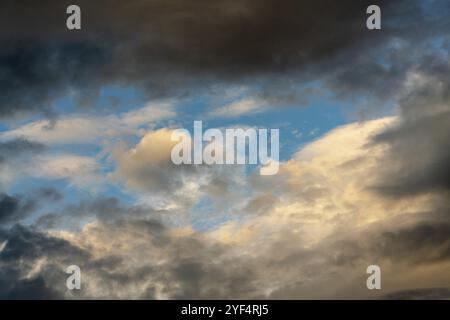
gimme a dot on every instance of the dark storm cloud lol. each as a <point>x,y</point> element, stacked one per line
<point>423,243</point>
<point>13,208</point>
<point>188,267</point>
<point>35,72</point>
<point>27,243</point>
<point>176,46</point>
<point>28,246</point>
<point>422,155</point>
<point>35,289</point>
<point>419,145</point>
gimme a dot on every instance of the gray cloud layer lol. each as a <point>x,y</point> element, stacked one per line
<point>10,150</point>
<point>174,47</point>
<point>419,144</point>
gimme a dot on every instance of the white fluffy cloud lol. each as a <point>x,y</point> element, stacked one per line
<point>147,169</point>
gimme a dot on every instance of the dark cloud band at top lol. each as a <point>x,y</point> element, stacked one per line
<point>173,47</point>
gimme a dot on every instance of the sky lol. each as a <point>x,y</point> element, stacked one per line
<point>86,176</point>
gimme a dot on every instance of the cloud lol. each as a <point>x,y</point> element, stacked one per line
<point>105,209</point>
<point>147,169</point>
<point>324,226</point>
<point>13,209</point>
<point>239,108</point>
<point>15,148</point>
<point>418,144</point>
<point>80,170</point>
<point>374,192</point>
<point>39,252</point>
<point>179,48</point>
<point>15,153</point>
<point>148,165</point>
<point>83,172</point>
<point>421,294</point>
<point>90,129</point>
<point>19,152</point>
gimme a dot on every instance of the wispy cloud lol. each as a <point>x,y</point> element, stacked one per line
<point>238,108</point>
<point>89,129</point>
